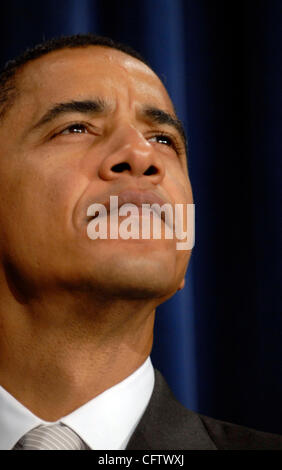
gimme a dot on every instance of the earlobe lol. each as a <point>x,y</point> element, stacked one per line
<point>182,284</point>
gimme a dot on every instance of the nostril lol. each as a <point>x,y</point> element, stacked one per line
<point>152,170</point>
<point>120,167</point>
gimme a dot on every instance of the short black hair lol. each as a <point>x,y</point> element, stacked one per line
<point>8,91</point>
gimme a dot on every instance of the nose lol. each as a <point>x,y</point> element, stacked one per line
<point>130,153</point>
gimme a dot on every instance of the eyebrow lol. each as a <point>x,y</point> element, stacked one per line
<point>99,106</point>
<point>96,106</point>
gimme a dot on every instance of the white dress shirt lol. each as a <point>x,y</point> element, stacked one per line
<point>106,422</point>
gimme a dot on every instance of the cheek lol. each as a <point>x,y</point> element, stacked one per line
<point>43,200</point>
<point>177,184</point>
<point>60,191</point>
<point>179,188</point>
<point>63,180</point>
<point>37,198</point>
<point>183,258</point>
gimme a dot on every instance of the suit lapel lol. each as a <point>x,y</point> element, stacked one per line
<point>166,424</point>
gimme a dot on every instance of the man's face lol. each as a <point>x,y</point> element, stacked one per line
<point>107,135</point>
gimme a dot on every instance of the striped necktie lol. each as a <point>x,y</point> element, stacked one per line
<point>51,437</point>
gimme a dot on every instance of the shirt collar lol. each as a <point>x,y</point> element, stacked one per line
<point>104,423</point>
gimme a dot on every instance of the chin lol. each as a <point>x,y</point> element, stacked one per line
<point>140,289</point>
<point>140,273</point>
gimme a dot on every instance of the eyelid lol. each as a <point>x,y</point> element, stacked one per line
<point>89,127</point>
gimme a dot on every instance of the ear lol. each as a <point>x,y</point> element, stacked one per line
<point>182,284</point>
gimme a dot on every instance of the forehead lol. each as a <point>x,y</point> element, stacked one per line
<point>90,71</point>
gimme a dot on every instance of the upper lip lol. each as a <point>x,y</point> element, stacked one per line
<point>135,197</point>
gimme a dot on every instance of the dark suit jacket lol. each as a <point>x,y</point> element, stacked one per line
<point>168,425</point>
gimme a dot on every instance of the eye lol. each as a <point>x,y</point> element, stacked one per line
<point>162,139</point>
<point>168,141</point>
<point>75,129</point>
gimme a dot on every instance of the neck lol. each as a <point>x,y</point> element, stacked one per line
<point>62,349</point>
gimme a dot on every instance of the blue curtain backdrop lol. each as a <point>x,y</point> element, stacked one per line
<point>219,341</point>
